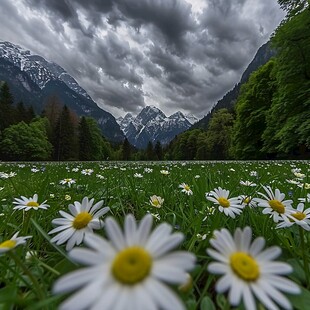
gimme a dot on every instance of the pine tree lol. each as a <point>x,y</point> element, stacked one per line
<point>126,150</point>
<point>149,151</point>
<point>85,140</point>
<point>158,150</point>
<point>6,107</point>
<point>65,140</point>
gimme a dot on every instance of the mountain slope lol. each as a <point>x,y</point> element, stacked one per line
<point>34,79</point>
<point>262,56</point>
<point>151,124</point>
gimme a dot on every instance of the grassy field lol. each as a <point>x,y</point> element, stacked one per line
<point>29,271</point>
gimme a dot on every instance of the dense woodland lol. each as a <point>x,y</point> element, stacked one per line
<point>271,118</point>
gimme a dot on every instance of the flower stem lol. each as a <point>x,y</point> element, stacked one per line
<point>19,263</point>
<point>304,254</point>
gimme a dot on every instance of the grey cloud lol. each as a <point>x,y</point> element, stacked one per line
<point>128,53</point>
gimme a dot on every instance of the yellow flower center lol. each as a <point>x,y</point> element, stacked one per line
<point>299,216</point>
<point>187,188</point>
<point>82,220</point>
<point>223,202</point>
<point>244,266</point>
<point>8,244</point>
<point>247,200</point>
<point>132,265</point>
<point>155,202</point>
<point>32,204</point>
<point>277,206</point>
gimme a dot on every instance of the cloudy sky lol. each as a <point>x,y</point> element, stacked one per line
<point>174,54</point>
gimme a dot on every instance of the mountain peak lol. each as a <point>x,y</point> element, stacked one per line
<point>151,124</point>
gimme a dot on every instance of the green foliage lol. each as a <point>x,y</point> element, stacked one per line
<point>293,7</point>
<point>253,103</point>
<point>6,107</point>
<point>219,134</point>
<point>126,150</point>
<point>288,118</point>
<point>64,140</point>
<point>26,142</point>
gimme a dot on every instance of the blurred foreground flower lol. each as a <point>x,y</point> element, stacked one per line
<point>250,271</point>
<point>127,272</point>
<point>27,204</point>
<point>84,218</point>
<point>12,243</point>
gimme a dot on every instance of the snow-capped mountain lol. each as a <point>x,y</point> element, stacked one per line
<point>34,80</point>
<point>151,124</point>
<point>39,69</point>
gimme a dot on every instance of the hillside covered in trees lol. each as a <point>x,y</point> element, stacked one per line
<point>271,117</point>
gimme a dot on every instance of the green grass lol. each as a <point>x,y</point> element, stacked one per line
<point>124,193</point>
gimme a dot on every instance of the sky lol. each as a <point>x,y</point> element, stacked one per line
<point>174,54</point>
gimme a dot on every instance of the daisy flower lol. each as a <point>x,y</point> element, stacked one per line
<point>68,181</point>
<point>250,271</point>
<point>156,201</point>
<point>72,227</point>
<point>274,204</point>
<point>247,201</point>
<point>164,172</point>
<point>301,217</point>
<point>87,171</point>
<point>247,183</point>
<point>127,271</point>
<point>27,204</point>
<point>230,206</point>
<point>305,199</point>
<point>12,243</point>
<point>186,189</point>
<point>138,175</point>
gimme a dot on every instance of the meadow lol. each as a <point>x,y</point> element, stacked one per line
<point>29,271</point>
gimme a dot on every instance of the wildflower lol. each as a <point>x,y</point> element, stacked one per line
<point>67,197</point>
<point>34,170</point>
<point>305,199</point>
<point>68,181</point>
<point>201,237</point>
<point>274,204</point>
<point>230,206</point>
<point>164,172</point>
<point>75,169</point>
<point>186,189</point>
<point>128,270</point>
<point>250,271</point>
<point>307,185</point>
<point>301,217</point>
<point>29,203</point>
<point>148,170</point>
<point>156,201</point>
<point>52,195</point>
<point>247,183</point>
<point>87,171</point>
<point>138,175</point>
<point>99,176</point>
<point>247,201</point>
<point>84,218</point>
<point>253,173</point>
<point>12,243</point>
<point>197,176</point>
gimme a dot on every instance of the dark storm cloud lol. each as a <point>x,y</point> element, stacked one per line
<point>129,53</point>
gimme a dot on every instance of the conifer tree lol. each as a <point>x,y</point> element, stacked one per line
<point>126,150</point>
<point>158,150</point>
<point>6,107</point>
